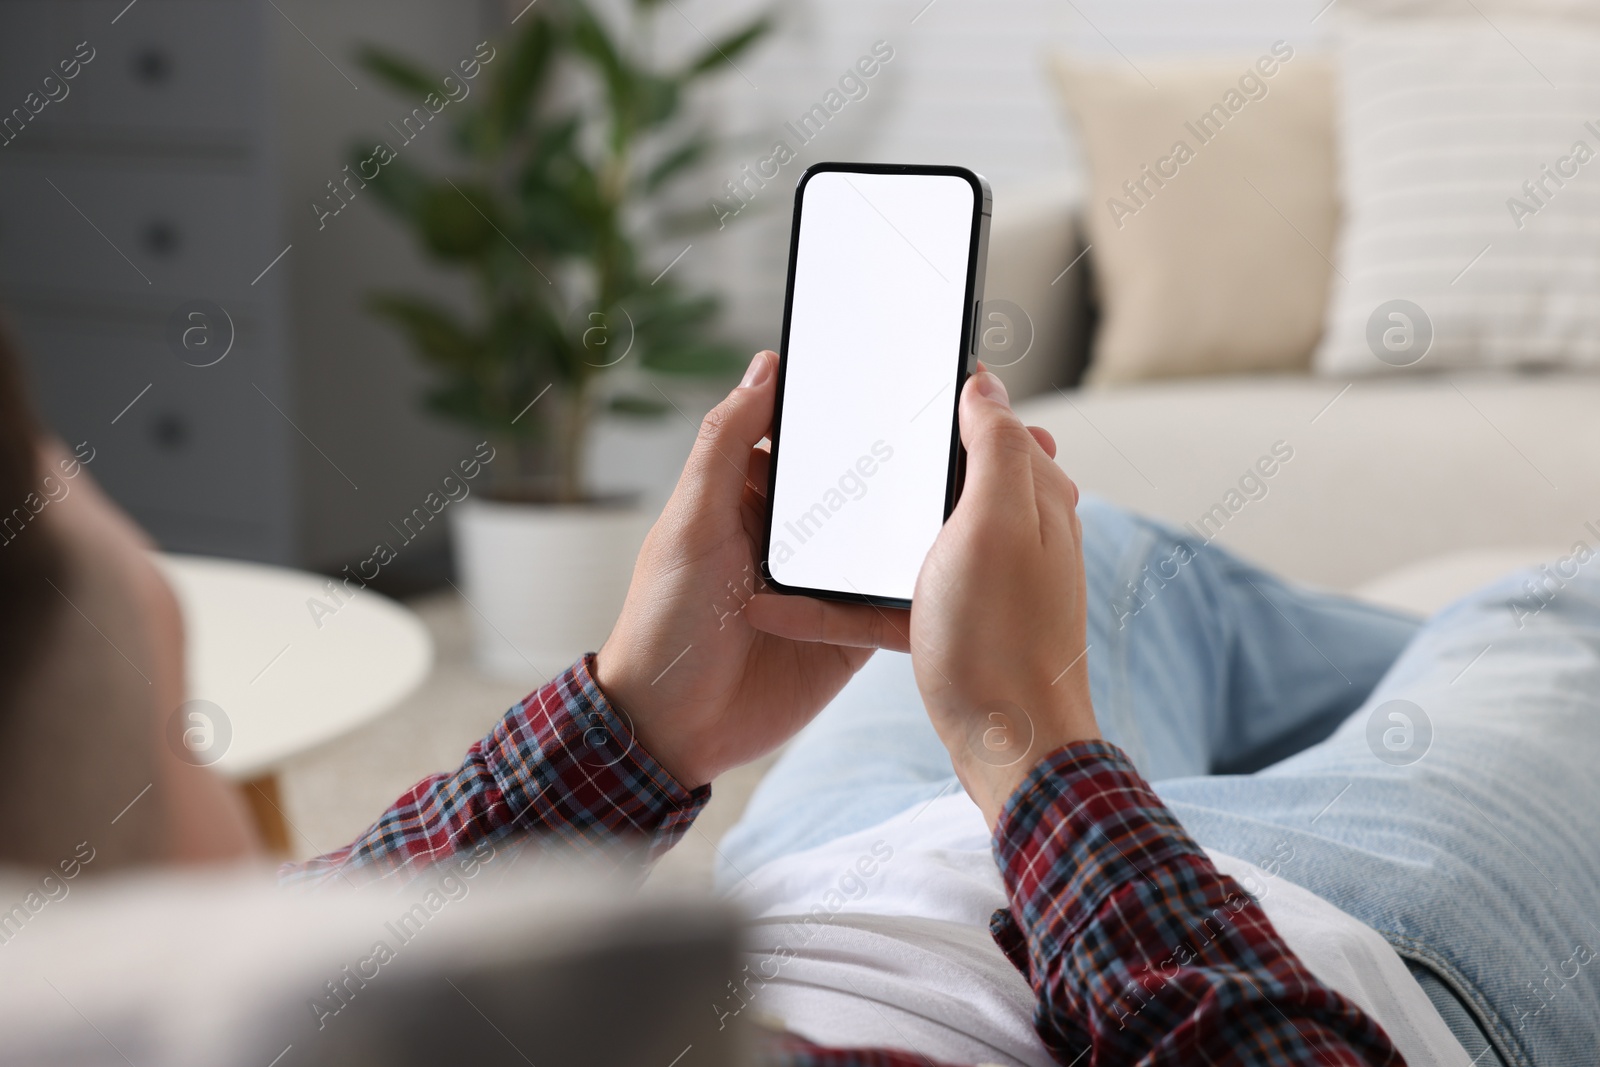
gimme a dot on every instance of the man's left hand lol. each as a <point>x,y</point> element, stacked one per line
<point>704,688</point>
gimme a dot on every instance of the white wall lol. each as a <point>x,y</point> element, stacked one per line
<point>967,85</point>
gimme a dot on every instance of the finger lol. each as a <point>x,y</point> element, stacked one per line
<point>1046,442</point>
<point>1047,472</point>
<point>1000,450</point>
<point>1054,494</point>
<point>718,463</point>
<point>851,625</point>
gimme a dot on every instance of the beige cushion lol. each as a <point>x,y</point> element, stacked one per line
<point>1222,266</point>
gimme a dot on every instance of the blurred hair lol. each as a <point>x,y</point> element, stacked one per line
<point>31,560</point>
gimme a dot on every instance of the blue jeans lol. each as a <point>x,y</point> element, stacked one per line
<point>1438,780</point>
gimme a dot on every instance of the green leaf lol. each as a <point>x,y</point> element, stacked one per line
<point>572,184</point>
<point>655,100</point>
<point>399,186</point>
<point>398,72</point>
<point>676,162</point>
<point>700,361</point>
<point>686,223</point>
<point>458,220</point>
<point>661,311</point>
<point>462,401</point>
<point>525,339</point>
<point>433,330</point>
<point>643,407</point>
<point>559,192</point>
<point>730,47</point>
<point>525,72</point>
<point>591,39</point>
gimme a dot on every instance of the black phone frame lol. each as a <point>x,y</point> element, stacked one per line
<point>966,355</point>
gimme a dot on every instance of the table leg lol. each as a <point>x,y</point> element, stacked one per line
<point>266,807</point>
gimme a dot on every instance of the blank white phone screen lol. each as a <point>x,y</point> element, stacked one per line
<point>874,357</point>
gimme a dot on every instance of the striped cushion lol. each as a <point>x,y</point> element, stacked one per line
<point>1471,184</point>
<point>1470,10</point>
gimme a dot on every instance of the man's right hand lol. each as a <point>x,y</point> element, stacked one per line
<point>998,617</point>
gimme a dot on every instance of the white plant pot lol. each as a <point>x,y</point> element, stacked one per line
<point>543,582</point>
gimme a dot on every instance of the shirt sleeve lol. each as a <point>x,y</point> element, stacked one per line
<point>561,767</point>
<point>1138,948</point>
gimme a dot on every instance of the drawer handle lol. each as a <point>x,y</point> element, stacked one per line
<point>161,239</point>
<point>152,65</point>
<point>170,431</point>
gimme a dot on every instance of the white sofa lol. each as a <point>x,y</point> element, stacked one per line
<point>1384,474</point>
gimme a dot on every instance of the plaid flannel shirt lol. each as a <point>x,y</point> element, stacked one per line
<point>1137,949</point>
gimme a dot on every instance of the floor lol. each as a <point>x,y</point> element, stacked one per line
<point>332,794</point>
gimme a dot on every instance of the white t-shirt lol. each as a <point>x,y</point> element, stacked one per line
<point>881,939</point>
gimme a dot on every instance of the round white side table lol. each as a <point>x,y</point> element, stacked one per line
<point>286,661</point>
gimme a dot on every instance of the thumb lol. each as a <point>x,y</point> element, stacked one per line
<point>999,447</point>
<point>721,456</point>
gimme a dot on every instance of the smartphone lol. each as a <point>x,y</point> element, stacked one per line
<point>880,321</point>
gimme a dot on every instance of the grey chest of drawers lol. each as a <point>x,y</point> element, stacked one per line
<point>137,214</point>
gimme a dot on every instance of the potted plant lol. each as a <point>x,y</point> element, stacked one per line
<point>567,138</point>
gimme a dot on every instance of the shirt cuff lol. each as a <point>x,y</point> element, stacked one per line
<point>567,763</point>
<point>1081,826</point>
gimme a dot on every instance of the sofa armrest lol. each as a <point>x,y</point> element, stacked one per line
<point>1034,236</point>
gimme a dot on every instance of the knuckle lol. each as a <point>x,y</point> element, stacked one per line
<point>1004,436</point>
<point>1060,482</point>
<point>714,426</point>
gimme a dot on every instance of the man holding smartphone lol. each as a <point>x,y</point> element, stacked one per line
<point>1126,942</point>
